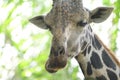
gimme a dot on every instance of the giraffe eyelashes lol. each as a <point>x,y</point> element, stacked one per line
<point>81,23</point>
<point>48,27</point>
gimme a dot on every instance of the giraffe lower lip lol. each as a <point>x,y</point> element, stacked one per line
<point>52,70</point>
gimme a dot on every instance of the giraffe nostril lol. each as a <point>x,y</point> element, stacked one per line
<point>61,50</point>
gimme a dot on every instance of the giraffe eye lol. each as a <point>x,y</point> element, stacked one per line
<point>48,27</point>
<point>81,23</point>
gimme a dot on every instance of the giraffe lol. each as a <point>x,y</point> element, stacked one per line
<point>73,37</point>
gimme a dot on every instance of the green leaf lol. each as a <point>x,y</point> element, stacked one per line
<point>106,2</point>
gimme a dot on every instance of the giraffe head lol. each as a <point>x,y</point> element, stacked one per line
<point>68,21</point>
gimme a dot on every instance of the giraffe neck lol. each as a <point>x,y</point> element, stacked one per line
<point>97,62</point>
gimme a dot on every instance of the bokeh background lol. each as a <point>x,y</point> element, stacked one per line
<point>24,48</point>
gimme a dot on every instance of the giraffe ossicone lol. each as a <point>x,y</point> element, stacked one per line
<point>69,22</point>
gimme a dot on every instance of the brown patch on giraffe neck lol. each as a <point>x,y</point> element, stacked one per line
<point>108,51</point>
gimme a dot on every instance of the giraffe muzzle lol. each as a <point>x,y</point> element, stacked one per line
<point>55,63</point>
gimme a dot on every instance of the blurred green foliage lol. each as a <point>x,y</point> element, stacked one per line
<point>24,48</point>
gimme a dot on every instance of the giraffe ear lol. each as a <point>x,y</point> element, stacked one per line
<point>39,21</point>
<point>100,14</point>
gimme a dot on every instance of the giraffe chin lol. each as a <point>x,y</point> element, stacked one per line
<point>51,70</point>
<point>54,64</point>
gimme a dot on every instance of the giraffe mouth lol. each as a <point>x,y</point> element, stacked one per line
<point>55,63</point>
